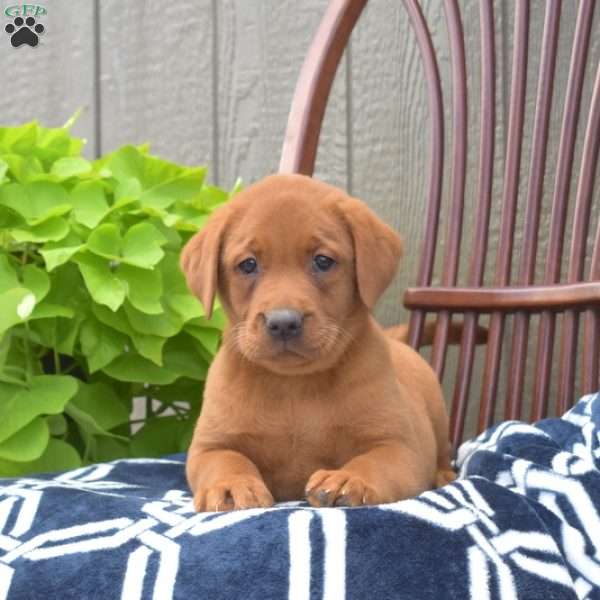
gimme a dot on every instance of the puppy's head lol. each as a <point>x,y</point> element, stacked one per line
<point>297,264</point>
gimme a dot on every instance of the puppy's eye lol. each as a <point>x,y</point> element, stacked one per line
<point>323,263</point>
<point>248,266</point>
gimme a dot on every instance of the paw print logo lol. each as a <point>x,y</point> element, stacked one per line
<point>24,31</point>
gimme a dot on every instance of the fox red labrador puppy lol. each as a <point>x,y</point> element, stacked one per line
<point>308,396</point>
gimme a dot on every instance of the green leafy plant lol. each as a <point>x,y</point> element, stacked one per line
<point>94,311</point>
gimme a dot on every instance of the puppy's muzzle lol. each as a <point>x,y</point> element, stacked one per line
<point>284,323</point>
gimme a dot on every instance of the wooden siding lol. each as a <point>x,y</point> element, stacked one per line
<point>211,82</point>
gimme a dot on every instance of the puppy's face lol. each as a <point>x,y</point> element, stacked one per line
<point>296,262</point>
<point>288,282</point>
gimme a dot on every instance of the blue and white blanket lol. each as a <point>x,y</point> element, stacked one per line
<point>523,521</point>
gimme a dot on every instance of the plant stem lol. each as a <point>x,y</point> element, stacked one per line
<point>26,337</point>
<point>149,411</point>
<point>27,349</point>
<point>70,368</point>
<point>56,361</point>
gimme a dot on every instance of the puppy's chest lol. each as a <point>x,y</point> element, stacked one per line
<point>292,433</point>
<point>294,425</point>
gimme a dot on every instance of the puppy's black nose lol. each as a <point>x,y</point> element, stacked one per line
<point>284,323</point>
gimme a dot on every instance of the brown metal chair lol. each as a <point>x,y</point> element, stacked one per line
<point>568,302</point>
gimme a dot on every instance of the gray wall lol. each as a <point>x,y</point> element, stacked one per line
<point>211,81</point>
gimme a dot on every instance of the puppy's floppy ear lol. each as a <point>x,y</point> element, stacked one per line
<point>377,249</point>
<point>200,260</point>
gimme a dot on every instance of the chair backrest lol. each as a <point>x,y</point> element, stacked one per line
<point>536,308</point>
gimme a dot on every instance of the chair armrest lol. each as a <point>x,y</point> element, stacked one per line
<point>533,298</point>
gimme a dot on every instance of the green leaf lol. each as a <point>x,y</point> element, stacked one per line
<point>148,345</point>
<point>67,288</point>
<point>174,241</point>
<point>57,425</point>
<point>70,166</point>
<point>17,304</point>
<point>209,338</point>
<point>20,139</point>
<point>158,436</point>
<point>126,163</point>
<point>186,435</point>
<point>106,241</point>
<point>37,281</point>
<point>8,391</point>
<point>107,449</point>
<point>88,425</point>
<point>9,219</point>
<point>58,333</point>
<point>89,203</point>
<point>101,344</point>
<point>181,356</point>
<point>179,298</point>
<point>101,404</point>
<point>46,395</point>
<point>58,253</point>
<point>101,283</point>
<point>144,288</point>
<point>48,311</point>
<point>132,367</point>
<point>8,274</point>
<point>53,229</point>
<point>56,142</point>
<point>130,162</point>
<point>141,245</point>
<point>186,187</point>
<point>89,273</point>
<point>37,201</point>
<point>5,342</point>
<point>183,390</point>
<point>186,306</point>
<point>189,218</point>
<point>165,325</point>
<point>218,319</point>
<point>23,168</point>
<point>58,456</point>
<point>13,375</point>
<point>67,331</point>
<point>117,320</point>
<point>127,191</point>
<point>28,443</point>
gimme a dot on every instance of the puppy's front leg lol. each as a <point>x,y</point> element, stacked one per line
<point>386,473</point>
<point>225,480</point>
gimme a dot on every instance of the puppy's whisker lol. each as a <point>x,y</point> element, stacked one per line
<point>235,336</point>
<point>250,348</point>
<point>330,334</point>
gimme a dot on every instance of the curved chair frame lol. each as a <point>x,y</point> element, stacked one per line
<point>577,298</point>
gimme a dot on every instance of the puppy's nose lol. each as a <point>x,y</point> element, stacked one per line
<point>284,323</point>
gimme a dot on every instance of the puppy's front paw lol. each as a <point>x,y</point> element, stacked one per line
<point>235,493</point>
<point>339,488</point>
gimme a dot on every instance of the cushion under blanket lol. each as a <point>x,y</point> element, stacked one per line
<point>522,521</point>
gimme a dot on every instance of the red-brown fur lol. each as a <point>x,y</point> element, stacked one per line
<point>344,414</point>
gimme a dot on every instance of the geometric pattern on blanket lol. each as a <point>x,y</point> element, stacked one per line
<point>522,521</point>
